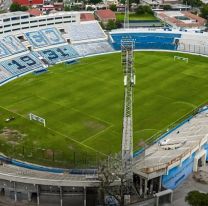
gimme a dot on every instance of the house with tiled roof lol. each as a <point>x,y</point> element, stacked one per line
<point>105,15</point>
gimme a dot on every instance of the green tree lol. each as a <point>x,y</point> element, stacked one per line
<point>140,10</point>
<point>113,7</point>
<point>17,7</point>
<point>196,198</point>
<point>24,8</point>
<point>75,8</point>
<point>143,10</point>
<point>89,8</point>
<point>111,25</point>
<point>193,3</point>
<point>67,8</point>
<point>204,11</point>
<point>167,7</point>
<point>95,1</point>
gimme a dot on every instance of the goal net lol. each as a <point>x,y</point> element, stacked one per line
<point>37,118</point>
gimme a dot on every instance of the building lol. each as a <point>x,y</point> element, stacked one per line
<point>87,17</point>
<point>20,21</point>
<point>171,159</point>
<point>181,19</point>
<point>35,12</point>
<point>29,2</point>
<point>105,15</point>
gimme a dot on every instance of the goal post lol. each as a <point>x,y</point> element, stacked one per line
<point>181,58</point>
<point>37,118</point>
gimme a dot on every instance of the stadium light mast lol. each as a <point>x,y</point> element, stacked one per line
<point>127,56</point>
<point>126,17</point>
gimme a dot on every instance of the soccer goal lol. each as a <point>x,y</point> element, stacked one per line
<point>37,118</point>
<point>181,58</point>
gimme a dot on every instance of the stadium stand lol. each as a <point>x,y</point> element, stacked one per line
<point>148,40</point>
<point>10,45</point>
<point>93,48</point>
<point>44,37</point>
<point>21,64</point>
<point>13,45</point>
<point>50,46</point>
<point>4,75</point>
<point>85,31</point>
<point>194,43</point>
<point>58,54</point>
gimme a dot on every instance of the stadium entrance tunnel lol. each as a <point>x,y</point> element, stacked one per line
<point>199,160</point>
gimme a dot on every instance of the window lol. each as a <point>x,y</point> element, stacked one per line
<point>15,18</point>
<point>33,21</point>
<point>43,25</point>
<point>7,31</point>
<point>41,20</point>
<point>16,29</point>
<point>50,23</point>
<point>67,21</point>
<point>58,17</point>
<point>25,22</point>
<point>50,19</point>
<point>5,20</point>
<point>33,26</point>
<point>8,25</point>
<point>24,17</point>
<point>65,17</point>
<point>15,24</point>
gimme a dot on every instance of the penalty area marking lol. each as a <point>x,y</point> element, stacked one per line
<point>84,145</point>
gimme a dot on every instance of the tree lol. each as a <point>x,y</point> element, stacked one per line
<point>75,8</point>
<point>140,10</point>
<point>112,180</point>
<point>113,7</point>
<point>94,1</point>
<point>193,3</point>
<point>204,11</point>
<point>90,8</point>
<point>143,10</point>
<point>67,8</point>
<point>24,8</point>
<point>196,198</point>
<point>17,7</point>
<point>167,7</point>
<point>111,25</point>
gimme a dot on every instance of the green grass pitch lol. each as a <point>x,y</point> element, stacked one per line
<point>83,106</point>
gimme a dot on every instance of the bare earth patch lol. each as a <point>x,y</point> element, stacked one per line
<point>11,135</point>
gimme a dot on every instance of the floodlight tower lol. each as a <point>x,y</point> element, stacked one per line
<point>127,58</point>
<point>126,17</point>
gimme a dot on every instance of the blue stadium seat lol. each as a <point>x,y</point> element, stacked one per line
<point>44,37</point>
<point>13,44</point>
<point>148,40</point>
<point>58,54</point>
<point>52,35</point>
<point>21,64</point>
<point>3,51</point>
<point>4,75</point>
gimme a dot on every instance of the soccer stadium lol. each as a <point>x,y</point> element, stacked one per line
<point>62,107</point>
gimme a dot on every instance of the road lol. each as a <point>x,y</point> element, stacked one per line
<point>6,4</point>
